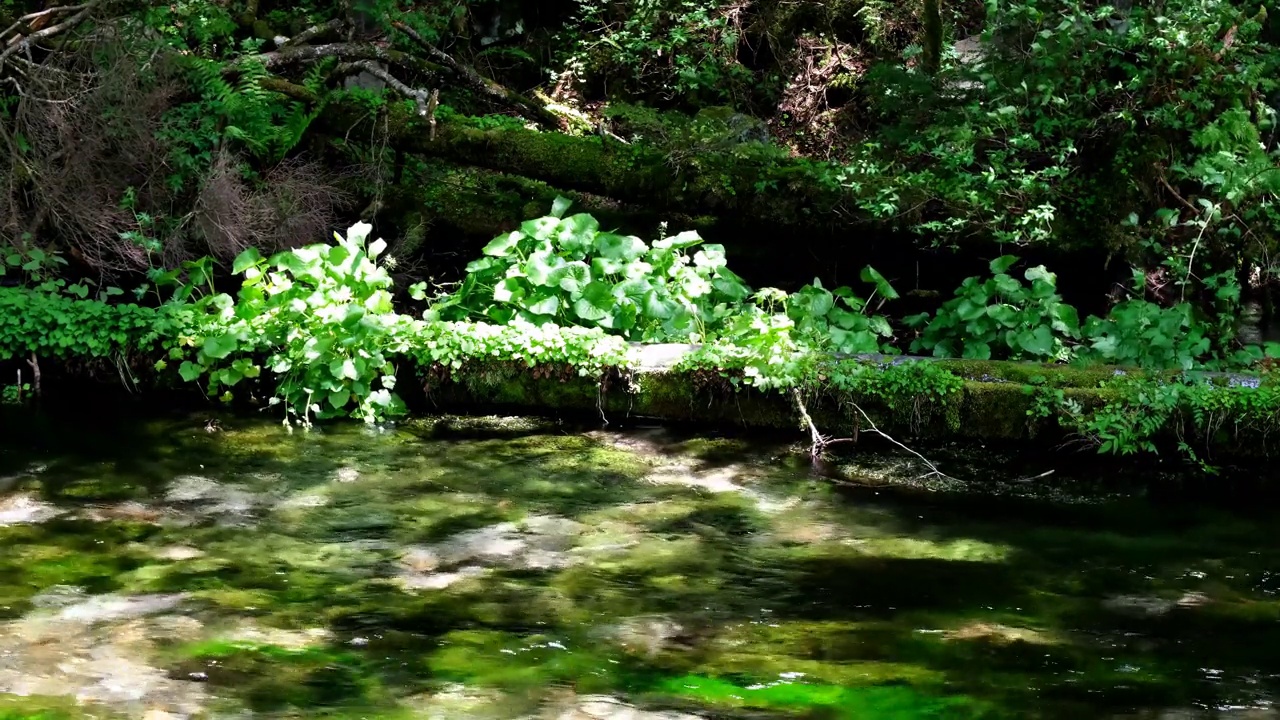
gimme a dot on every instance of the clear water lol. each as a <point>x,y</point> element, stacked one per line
<point>153,569</point>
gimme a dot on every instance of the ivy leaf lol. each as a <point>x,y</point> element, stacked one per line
<point>1038,342</point>
<point>509,290</point>
<point>619,247</point>
<point>344,369</point>
<point>502,245</point>
<point>880,326</point>
<point>599,294</point>
<point>540,228</point>
<point>1001,265</point>
<point>219,346</point>
<point>871,275</point>
<point>1067,319</point>
<point>587,311</point>
<point>560,206</point>
<point>686,239</point>
<point>576,276</point>
<point>577,235</point>
<point>543,304</point>
<point>658,305</point>
<point>190,371</point>
<point>543,269</point>
<point>246,260</point>
<point>623,316</point>
<point>727,283</point>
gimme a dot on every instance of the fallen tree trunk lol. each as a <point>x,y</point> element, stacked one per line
<point>777,193</point>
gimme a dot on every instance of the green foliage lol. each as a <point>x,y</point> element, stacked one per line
<point>1002,317</point>
<point>838,319</point>
<point>453,345</point>
<point>322,316</point>
<point>1143,334</point>
<point>38,322</point>
<point>677,50</point>
<point>1067,119</point>
<point>564,270</point>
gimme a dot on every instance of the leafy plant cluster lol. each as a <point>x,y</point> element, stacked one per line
<point>685,50</point>
<point>1005,317</point>
<point>1144,128</point>
<point>565,271</point>
<point>1195,414</point>
<point>320,318</point>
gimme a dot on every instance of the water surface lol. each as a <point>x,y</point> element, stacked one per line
<point>154,569</point>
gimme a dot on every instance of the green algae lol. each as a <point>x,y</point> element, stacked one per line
<point>875,703</point>
<point>269,677</point>
<point>794,599</point>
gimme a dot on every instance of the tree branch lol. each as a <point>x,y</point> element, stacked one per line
<point>346,51</point>
<point>30,18</point>
<point>293,90</point>
<point>490,88</point>
<point>314,32</point>
<point>426,100</point>
<point>25,43</point>
<point>819,442</point>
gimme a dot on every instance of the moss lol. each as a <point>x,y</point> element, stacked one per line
<point>35,707</point>
<point>519,662</point>
<point>995,411</point>
<point>1023,373</point>
<point>269,677</point>
<point>798,696</point>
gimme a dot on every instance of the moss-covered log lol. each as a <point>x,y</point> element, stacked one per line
<point>776,192</point>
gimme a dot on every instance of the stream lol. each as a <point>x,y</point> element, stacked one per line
<point>157,568</point>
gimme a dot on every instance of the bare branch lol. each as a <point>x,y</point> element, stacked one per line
<point>477,81</point>
<point>819,442</point>
<point>423,98</point>
<point>314,32</point>
<point>872,428</point>
<point>25,43</point>
<point>30,18</point>
<point>344,51</point>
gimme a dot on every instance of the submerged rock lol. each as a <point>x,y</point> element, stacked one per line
<point>111,607</point>
<point>277,637</point>
<point>648,636</point>
<point>536,543</point>
<point>437,581</point>
<point>1151,606</point>
<point>718,480</point>
<point>209,497</point>
<point>103,663</point>
<point>606,707</point>
<point>26,508</point>
<point>997,633</point>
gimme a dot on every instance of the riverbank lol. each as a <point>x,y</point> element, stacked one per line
<point>583,376</point>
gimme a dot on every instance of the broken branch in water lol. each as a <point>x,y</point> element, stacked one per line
<point>819,442</point>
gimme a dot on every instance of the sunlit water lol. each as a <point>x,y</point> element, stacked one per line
<point>158,570</point>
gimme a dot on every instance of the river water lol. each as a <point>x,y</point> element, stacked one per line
<point>157,569</point>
